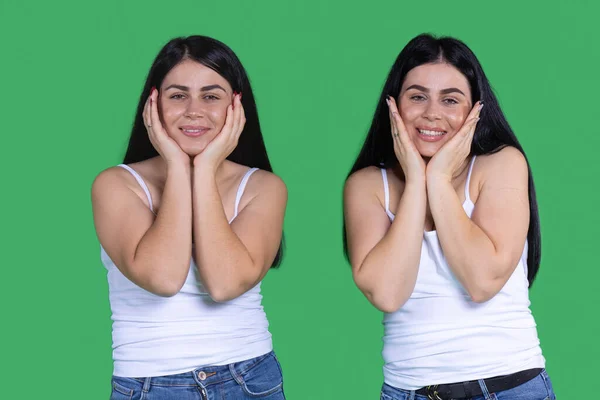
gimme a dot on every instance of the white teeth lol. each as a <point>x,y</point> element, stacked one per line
<point>430,133</point>
<point>192,130</point>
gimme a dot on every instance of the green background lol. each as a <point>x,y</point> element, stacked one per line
<point>72,73</point>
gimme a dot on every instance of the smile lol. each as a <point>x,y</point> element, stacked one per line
<point>426,132</point>
<point>194,131</point>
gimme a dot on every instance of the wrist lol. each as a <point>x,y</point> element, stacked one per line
<point>204,171</point>
<point>417,180</point>
<point>436,180</point>
<point>178,167</point>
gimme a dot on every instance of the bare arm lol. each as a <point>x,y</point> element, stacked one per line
<point>152,253</point>
<point>384,257</point>
<point>484,251</point>
<point>232,259</point>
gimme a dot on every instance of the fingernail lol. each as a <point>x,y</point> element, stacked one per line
<point>240,96</point>
<point>480,105</point>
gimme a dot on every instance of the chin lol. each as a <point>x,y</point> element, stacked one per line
<point>193,151</point>
<point>428,151</point>
<point>192,146</point>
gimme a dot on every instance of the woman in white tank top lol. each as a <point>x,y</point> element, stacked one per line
<point>445,243</point>
<point>189,225</point>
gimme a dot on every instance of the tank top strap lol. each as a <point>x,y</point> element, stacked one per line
<point>386,192</point>
<point>240,191</point>
<point>141,182</point>
<point>468,183</point>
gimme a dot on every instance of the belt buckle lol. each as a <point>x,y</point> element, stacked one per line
<point>432,393</point>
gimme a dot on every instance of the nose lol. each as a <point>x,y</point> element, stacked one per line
<point>432,111</point>
<point>194,109</point>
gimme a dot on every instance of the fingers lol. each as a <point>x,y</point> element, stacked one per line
<point>154,119</point>
<point>468,129</point>
<point>228,126</point>
<point>234,123</point>
<point>392,111</point>
<point>146,111</point>
<point>398,128</point>
<point>237,107</point>
<point>242,118</point>
<point>396,114</point>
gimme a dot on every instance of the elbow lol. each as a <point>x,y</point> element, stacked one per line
<point>387,304</point>
<point>387,301</point>
<point>227,287</point>
<point>486,286</point>
<point>481,296</point>
<point>220,296</point>
<point>166,287</point>
<point>154,278</point>
<point>163,285</point>
<point>484,290</point>
<point>165,291</point>
<point>225,291</point>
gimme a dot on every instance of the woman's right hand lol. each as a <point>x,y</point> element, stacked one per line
<point>408,156</point>
<point>168,149</point>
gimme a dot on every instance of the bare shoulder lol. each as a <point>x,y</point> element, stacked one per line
<point>508,162</point>
<point>109,178</point>
<point>114,182</point>
<point>263,183</point>
<point>364,180</point>
<point>502,170</point>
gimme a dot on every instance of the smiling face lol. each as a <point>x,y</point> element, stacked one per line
<point>193,104</point>
<point>434,101</point>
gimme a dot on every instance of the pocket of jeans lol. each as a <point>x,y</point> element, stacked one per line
<point>262,379</point>
<point>548,382</point>
<point>385,397</point>
<point>120,391</point>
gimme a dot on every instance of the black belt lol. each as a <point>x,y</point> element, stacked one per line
<point>465,390</point>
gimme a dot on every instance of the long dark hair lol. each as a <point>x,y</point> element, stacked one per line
<point>251,150</point>
<point>491,135</point>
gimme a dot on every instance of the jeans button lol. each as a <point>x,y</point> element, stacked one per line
<point>202,375</point>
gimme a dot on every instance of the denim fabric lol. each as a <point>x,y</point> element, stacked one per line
<point>538,388</point>
<point>257,378</point>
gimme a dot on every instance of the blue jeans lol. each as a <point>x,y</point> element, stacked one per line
<point>539,388</point>
<point>257,378</point>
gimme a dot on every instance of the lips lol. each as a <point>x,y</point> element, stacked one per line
<point>431,134</point>
<point>193,131</point>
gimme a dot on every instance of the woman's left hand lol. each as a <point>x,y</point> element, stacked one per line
<point>448,160</point>
<point>226,141</point>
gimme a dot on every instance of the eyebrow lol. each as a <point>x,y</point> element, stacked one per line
<point>202,89</point>
<point>443,91</point>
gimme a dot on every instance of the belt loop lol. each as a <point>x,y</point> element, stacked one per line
<point>146,387</point>
<point>484,389</point>
<point>412,394</point>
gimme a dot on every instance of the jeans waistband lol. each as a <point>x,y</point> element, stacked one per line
<point>204,376</point>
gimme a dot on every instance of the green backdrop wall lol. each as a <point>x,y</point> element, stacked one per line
<point>72,73</point>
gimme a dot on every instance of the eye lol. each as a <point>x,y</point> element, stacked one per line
<point>450,101</point>
<point>417,97</point>
<point>177,96</point>
<point>210,97</point>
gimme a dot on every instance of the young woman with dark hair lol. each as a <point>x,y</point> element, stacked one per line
<point>442,232</point>
<point>189,225</point>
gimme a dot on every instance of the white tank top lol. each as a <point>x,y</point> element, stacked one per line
<point>155,336</point>
<point>441,336</point>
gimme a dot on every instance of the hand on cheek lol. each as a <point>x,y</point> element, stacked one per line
<point>226,140</point>
<point>448,160</point>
